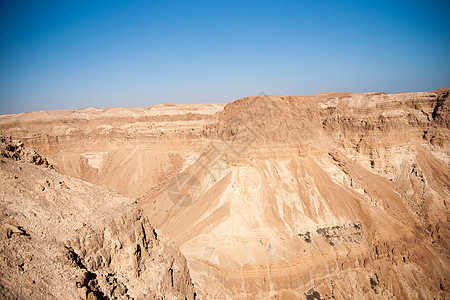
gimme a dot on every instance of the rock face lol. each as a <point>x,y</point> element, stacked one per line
<point>130,149</point>
<point>66,239</point>
<point>16,150</point>
<point>334,195</point>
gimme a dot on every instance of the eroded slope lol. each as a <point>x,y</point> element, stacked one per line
<point>62,238</point>
<point>330,195</point>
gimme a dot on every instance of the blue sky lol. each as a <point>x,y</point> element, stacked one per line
<point>75,54</point>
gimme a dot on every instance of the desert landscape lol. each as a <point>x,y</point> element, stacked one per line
<point>329,196</point>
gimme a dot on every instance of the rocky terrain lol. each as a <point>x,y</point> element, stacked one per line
<point>62,238</point>
<point>335,195</point>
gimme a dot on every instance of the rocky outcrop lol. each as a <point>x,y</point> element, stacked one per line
<point>64,238</point>
<point>14,149</point>
<point>126,257</point>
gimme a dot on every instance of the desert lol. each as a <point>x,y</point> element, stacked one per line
<point>330,196</point>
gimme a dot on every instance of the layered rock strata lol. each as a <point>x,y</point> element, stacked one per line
<point>324,196</point>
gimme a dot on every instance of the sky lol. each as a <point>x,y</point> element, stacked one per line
<point>77,54</point>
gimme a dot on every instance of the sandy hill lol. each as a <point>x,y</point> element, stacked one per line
<point>325,196</point>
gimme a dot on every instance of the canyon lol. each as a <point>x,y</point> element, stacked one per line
<point>329,196</point>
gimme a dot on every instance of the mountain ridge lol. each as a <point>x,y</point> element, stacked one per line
<point>333,194</point>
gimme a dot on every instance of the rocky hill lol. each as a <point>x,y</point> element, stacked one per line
<point>62,238</point>
<point>334,195</point>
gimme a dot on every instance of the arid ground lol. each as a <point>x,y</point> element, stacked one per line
<point>330,196</point>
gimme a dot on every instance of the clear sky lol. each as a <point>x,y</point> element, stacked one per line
<point>75,54</point>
